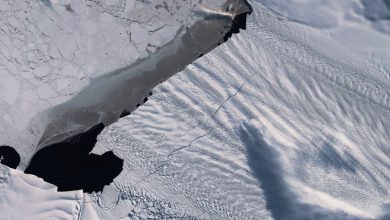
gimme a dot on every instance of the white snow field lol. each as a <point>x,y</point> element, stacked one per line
<point>285,121</point>
<point>25,196</point>
<point>288,120</point>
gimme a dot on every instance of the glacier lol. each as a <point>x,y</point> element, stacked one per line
<point>69,65</point>
<point>287,120</point>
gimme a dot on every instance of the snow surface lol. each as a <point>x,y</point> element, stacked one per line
<point>25,196</point>
<point>53,51</point>
<point>362,26</point>
<point>288,120</point>
<point>285,121</point>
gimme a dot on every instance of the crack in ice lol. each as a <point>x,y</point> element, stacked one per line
<point>197,138</point>
<point>212,117</point>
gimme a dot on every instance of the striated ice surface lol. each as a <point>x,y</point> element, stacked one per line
<point>362,26</point>
<point>283,122</point>
<point>288,120</point>
<point>62,62</point>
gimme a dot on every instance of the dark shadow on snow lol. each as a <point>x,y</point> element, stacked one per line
<point>376,10</point>
<point>47,3</point>
<point>281,201</point>
<point>70,165</point>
